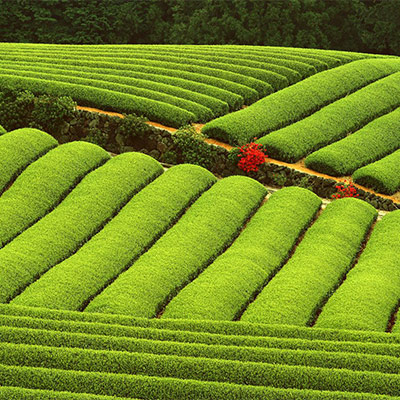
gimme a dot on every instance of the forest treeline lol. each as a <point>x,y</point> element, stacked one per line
<point>356,25</point>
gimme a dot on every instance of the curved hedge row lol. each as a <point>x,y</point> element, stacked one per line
<point>334,121</point>
<point>382,175</point>
<point>220,292</point>
<point>298,101</point>
<point>137,226</point>
<point>260,86</point>
<point>163,388</point>
<point>319,262</point>
<point>84,211</point>
<point>2,130</point>
<point>372,142</point>
<point>203,232</point>
<point>371,292</point>
<point>92,96</point>
<point>44,183</point>
<point>200,112</point>
<point>18,149</point>
<point>132,367</point>
<point>248,94</point>
<point>362,357</point>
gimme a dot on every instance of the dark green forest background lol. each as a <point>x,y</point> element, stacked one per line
<point>356,25</point>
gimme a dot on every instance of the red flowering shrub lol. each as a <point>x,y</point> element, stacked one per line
<point>251,156</point>
<point>345,190</point>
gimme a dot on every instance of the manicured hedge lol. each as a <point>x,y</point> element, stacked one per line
<point>108,99</point>
<point>293,70</point>
<point>220,292</point>
<point>2,130</point>
<point>200,112</point>
<point>217,106</point>
<point>204,231</point>
<point>149,340</point>
<point>18,149</point>
<point>261,79</point>
<point>261,87</point>
<point>200,91</point>
<point>317,266</point>
<point>44,183</point>
<point>224,332</point>
<point>22,339</point>
<point>248,94</point>
<point>245,348</point>
<point>152,387</point>
<point>382,176</point>
<point>127,236</point>
<point>97,198</point>
<point>18,393</point>
<point>132,365</point>
<point>371,292</point>
<point>298,101</point>
<point>335,121</point>
<point>372,142</point>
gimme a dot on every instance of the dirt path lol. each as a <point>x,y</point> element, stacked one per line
<point>298,166</point>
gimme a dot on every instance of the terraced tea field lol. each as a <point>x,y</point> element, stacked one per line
<point>336,112</point>
<point>120,279</point>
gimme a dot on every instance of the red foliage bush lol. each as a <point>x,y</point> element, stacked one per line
<point>345,190</point>
<point>251,156</point>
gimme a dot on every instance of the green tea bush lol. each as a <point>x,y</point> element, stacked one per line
<point>220,292</point>
<point>191,147</point>
<point>95,200</point>
<point>18,149</point>
<point>382,175</point>
<point>371,143</point>
<point>44,183</point>
<point>145,218</point>
<point>335,121</point>
<point>298,101</point>
<point>316,267</point>
<point>368,297</point>
<point>203,232</point>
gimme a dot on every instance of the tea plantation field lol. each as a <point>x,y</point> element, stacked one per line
<point>120,279</point>
<point>336,111</point>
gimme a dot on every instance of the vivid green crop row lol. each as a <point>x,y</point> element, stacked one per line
<point>242,74</point>
<point>221,292</point>
<point>27,330</point>
<point>373,142</point>
<point>208,332</point>
<point>334,121</point>
<point>96,199</point>
<point>152,387</point>
<point>382,175</point>
<point>130,366</point>
<point>210,96</point>
<point>92,96</point>
<point>371,292</point>
<point>317,266</point>
<point>44,183</point>
<point>18,149</point>
<point>276,76</point>
<point>18,393</point>
<point>229,88</point>
<point>237,76</point>
<point>298,101</point>
<point>312,356</point>
<point>200,112</point>
<point>216,106</point>
<point>203,232</point>
<point>137,226</point>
